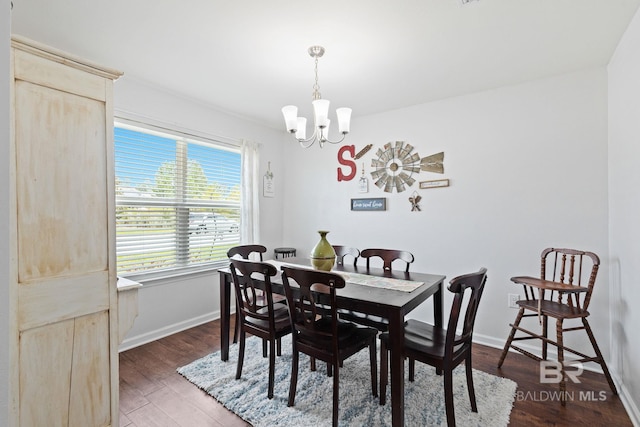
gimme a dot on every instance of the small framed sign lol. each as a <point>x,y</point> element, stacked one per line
<point>436,183</point>
<point>363,185</point>
<point>268,187</point>
<point>377,204</point>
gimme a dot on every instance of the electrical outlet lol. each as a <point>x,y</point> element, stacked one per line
<point>512,300</point>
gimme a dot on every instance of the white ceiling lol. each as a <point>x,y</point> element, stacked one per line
<point>249,57</point>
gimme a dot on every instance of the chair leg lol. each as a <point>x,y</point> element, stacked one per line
<point>272,366</point>
<point>294,376</point>
<point>448,397</point>
<point>236,331</point>
<point>374,368</point>
<point>240,354</point>
<point>545,321</point>
<point>412,369</point>
<point>470,388</point>
<point>601,361</point>
<point>384,372</point>
<point>279,347</point>
<point>563,383</point>
<point>264,347</point>
<point>336,393</point>
<point>516,323</point>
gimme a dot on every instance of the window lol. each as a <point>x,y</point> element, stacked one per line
<point>177,200</point>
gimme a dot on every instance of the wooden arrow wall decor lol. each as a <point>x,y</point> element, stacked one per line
<point>433,163</point>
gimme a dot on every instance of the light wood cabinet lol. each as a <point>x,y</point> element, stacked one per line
<point>64,349</point>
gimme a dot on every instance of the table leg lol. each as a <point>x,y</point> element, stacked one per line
<point>437,306</point>
<point>225,313</point>
<point>437,312</point>
<point>396,339</point>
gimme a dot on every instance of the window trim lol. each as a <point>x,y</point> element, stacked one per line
<point>135,120</point>
<point>127,119</point>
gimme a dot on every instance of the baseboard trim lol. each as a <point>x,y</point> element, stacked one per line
<point>627,401</point>
<point>138,340</point>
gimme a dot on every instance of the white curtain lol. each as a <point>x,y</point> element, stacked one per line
<point>250,182</point>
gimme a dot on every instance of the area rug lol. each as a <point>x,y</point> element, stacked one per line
<point>424,398</point>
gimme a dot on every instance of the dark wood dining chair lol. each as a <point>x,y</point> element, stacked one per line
<point>578,269</point>
<point>343,251</point>
<point>264,321</point>
<point>245,252</point>
<point>317,330</point>
<point>388,256</point>
<point>252,251</point>
<point>440,347</point>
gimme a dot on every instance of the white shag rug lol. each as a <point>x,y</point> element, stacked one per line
<point>424,398</point>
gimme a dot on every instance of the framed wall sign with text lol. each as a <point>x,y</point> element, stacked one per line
<point>377,204</point>
<point>436,183</point>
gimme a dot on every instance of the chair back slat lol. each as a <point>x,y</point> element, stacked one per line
<point>311,296</point>
<point>342,251</point>
<point>469,287</point>
<point>252,278</point>
<point>245,251</point>
<point>573,267</point>
<point>388,256</point>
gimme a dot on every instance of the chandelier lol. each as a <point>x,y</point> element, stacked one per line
<point>298,125</point>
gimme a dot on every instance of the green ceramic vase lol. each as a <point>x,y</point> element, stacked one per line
<point>323,257</point>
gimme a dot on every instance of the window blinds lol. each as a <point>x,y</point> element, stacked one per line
<point>177,200</point>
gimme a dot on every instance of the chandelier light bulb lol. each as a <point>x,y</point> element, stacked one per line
<point>290,113</point>
<point>301,133</point>
<point>344,119</point>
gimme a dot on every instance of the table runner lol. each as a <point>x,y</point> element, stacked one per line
<point>363,279</point>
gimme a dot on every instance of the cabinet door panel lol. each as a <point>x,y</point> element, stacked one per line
<point>45,374</point>
<point>90,392</point>
<point>64,373</point>
<point>61,183</point>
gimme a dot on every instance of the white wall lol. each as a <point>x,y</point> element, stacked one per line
<point>528,170</point>
<point>624,205</point>
<point>170,305</point>
<point>5,34</point>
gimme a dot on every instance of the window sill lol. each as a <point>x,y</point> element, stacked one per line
<point>168,277</point>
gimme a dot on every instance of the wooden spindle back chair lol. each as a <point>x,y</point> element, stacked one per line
<point>576,270</point>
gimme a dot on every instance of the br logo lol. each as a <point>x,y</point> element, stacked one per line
<point>551,372</point>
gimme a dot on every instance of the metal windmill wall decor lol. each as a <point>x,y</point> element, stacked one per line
<point>395,166</point>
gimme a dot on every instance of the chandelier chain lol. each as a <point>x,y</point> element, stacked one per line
<point>316,87</point>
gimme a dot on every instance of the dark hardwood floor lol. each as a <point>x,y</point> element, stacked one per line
<point>152,393</point>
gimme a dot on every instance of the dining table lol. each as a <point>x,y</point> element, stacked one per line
<point>373,291</point>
